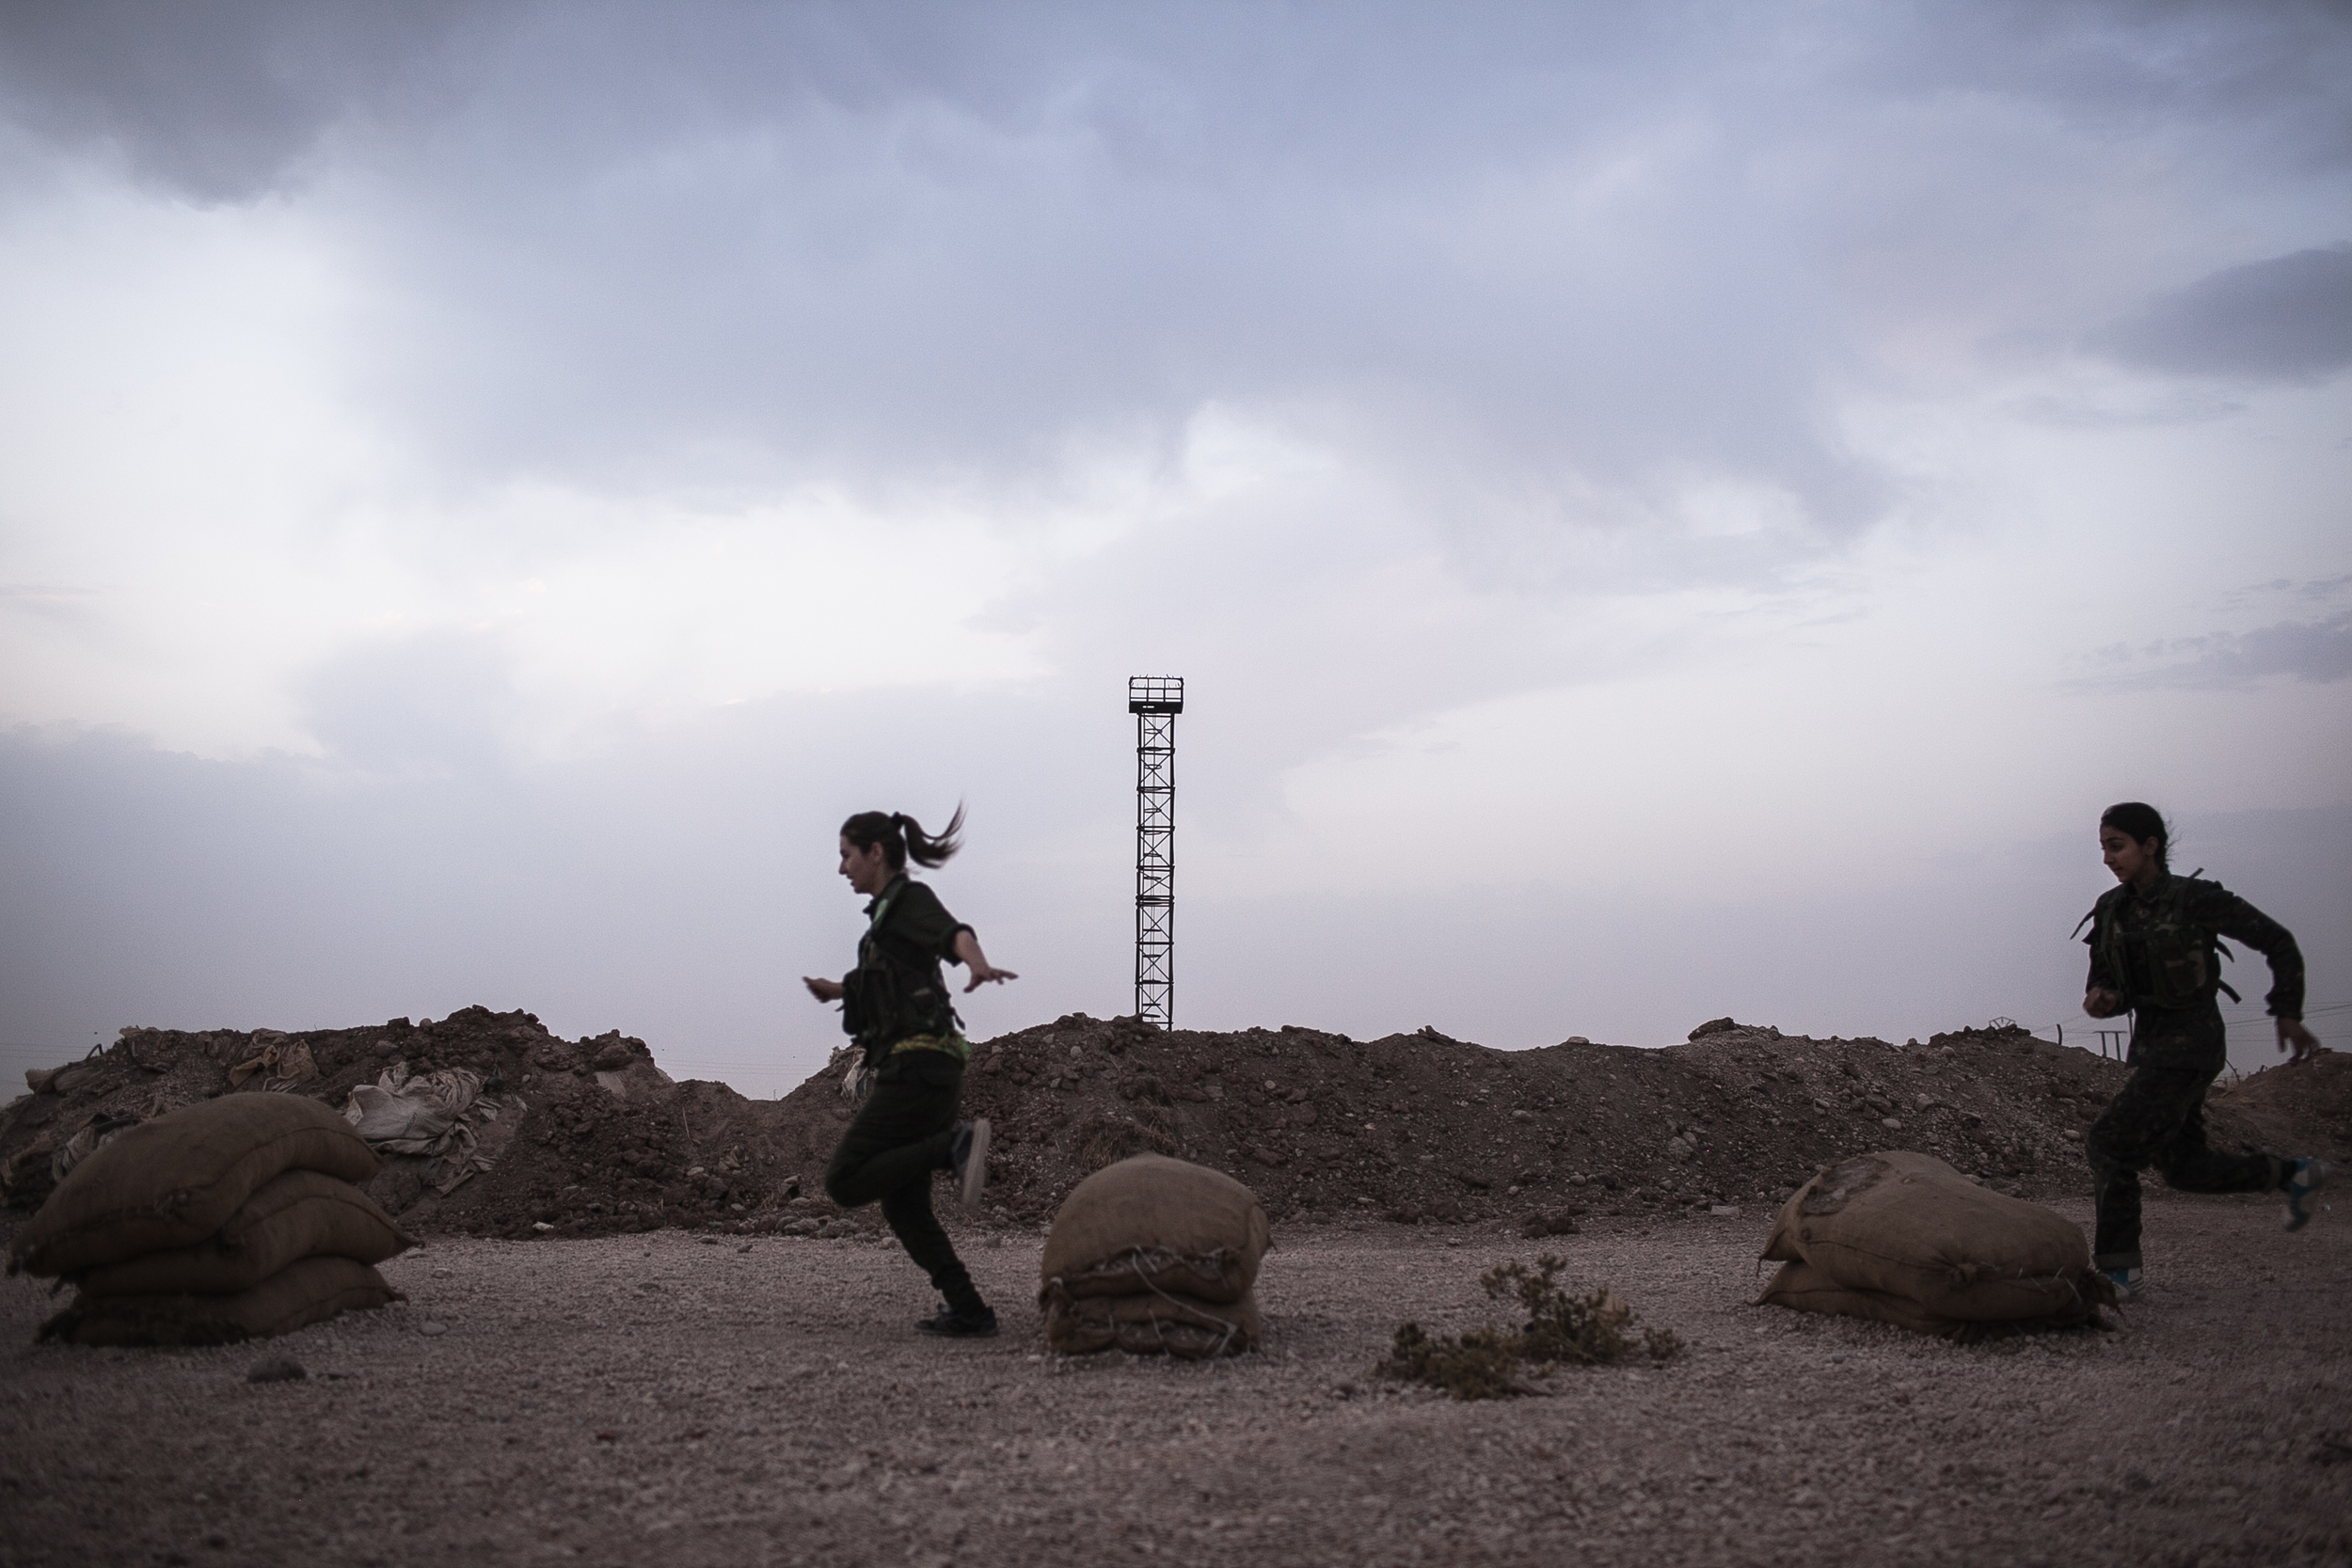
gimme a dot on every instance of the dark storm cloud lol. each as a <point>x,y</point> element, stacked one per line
<point>1506,253</point>
<point>215,101</point>
<point>2285,319</point>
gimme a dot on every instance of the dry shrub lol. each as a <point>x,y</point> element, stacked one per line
<point>1596,1329</point>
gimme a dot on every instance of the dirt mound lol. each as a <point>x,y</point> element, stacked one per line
<point>1411,1128</point>
<point>604,1140</point>
<point>1420,1126</point>
<point>2304,1109</point>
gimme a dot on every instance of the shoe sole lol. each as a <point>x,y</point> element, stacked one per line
<point>975,1180</point>
<point>928,1326</point>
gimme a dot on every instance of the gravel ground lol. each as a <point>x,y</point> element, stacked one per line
<point>662,1398</point>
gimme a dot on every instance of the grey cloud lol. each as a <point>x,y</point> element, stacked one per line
<point>1526,251</point>
<point>214,100</point>
<point>2285,319</point>
<point>2100,413</point>
<point>2315,651</point>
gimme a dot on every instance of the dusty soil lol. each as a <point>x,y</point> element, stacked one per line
<point>694,1399</point>
<point>1411,1128</point>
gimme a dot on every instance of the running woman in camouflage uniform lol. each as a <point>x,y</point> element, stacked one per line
<point>2156,947</point>
<point>896,1006</point>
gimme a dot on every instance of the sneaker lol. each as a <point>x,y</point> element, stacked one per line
<point>2126,1282</point>
<point>949,1323</point>
<point>968,1158</point>
<point>2310,1176</point>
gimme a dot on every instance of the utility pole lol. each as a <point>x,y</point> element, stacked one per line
<point>1155,701</point>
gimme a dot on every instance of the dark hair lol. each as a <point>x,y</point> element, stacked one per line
<point>2143,822</point>
<point>902,838</point>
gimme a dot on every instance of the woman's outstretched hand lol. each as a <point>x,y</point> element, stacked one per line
<point>2294,1037</point>
<point>984,971</point>
<point>824,990</point>
<point>968,953</point>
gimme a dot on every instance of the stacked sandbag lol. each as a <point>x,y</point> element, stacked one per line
<point>1904,1238</point>
<point>1154,1256</point>
<point>231,1219</point>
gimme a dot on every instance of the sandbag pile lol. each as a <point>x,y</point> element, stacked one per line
<point>231,1219</point>
<point>1154,1256</point>
<point>1904,1238</point>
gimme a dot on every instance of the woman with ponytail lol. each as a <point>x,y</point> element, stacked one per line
<point>2155,949</point>
<point>909,1075</point>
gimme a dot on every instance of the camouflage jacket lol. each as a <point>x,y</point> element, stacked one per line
<point>2162,948</point>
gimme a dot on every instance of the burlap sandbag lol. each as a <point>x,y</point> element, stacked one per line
<point>299,1214</point>
<point>1807,1289</point>
<point>1905,1224</point>
<point>1151,1325</point>
<point>303,1293</point>
<point>172,1181</point>
<point>1151,1224</point>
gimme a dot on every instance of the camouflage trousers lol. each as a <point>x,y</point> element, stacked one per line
<point>2158,1119</point>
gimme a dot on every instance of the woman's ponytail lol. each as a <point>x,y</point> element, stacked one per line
<point>924,849</point>
<point>902,838</point>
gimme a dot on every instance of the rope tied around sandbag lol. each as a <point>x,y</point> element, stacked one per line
<point>1159,1331</point>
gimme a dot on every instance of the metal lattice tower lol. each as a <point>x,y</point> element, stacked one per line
<point>1155,701</point>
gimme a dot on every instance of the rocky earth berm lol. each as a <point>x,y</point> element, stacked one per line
<point>592,1138</point>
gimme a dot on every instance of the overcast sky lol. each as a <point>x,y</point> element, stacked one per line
<point>1663,510</point>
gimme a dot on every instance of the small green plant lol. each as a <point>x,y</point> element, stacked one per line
<point>1595,1329</point>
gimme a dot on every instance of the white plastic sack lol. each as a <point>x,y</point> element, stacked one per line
<point>423,1115</point>
<point>431,1112</point>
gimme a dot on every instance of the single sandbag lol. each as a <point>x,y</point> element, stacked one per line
<point>1183,1326</point>
<point>307,1291</point>
<point>1151,1224</point>
<point>1903,1224</point>
<point>172,1181</point>
<point>299,1214</point>
<point>1807,1289</point>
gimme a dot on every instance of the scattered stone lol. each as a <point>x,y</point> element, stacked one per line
<point>1554,1222</point>
<point>432,1330</point>
<point>276,1369</point>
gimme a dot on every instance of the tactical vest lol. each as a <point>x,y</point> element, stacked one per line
<point>893,995</point>
<point>2168,961</point>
